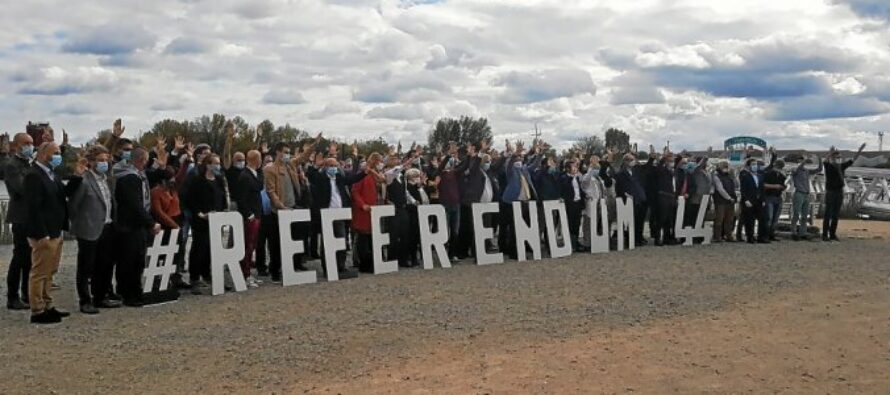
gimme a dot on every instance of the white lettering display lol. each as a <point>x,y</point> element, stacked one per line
<point>699,228</point>
<point>625,223</point>
<point>332,243</point>
<point>556,250</point>
<point>222,258</point>
<point>380,239</point>
<point>433,242</point>
<point>481,234</point>
<point>599,242</point>
<point>526,233</point>
<point>154,255</point>
<point>291,247</point>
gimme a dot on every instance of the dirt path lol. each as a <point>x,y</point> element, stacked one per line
<point>805,317</point>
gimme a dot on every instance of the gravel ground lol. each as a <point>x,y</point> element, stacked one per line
<point>332,338</point>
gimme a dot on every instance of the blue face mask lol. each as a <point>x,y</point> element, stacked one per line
<point>690,167</point>
<point>486,166</point>
<point>285,158</point>
<point>27,150</point>
<point>102,167</point>
<point>239,165</point>
<point>191,165</point>
<point>215,169</point>
<point>126,155</point>
<point>552,170</point>
<point>755,168</point>
<point>56,161</point>
<point>332,171</point>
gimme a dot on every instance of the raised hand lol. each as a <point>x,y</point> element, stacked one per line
<point>161,149</point>
<point>47,135</point>
<point>332,149</point>
<point>264,148</point>
<point>354,150</point>
<point>862,147</point>
<point>80,165</point>
<point>118,128</point>
<point>190,149</point>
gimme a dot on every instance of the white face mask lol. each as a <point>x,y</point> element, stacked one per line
<point>380,167</point>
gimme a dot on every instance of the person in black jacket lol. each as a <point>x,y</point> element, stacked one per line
<point>206,194</point>
<point>250,205</point>
<point>670,184</point>
<point>751,186</point>
<point>133,223</point>
<point>574,198</point>
<point>834,191</point>
<point>330,189</point>
<point>628,184</point>
<point>47,218</point>
<point>479,185</point>
<point>14,170</point>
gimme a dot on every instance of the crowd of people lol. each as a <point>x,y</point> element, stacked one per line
<point>120,196</point>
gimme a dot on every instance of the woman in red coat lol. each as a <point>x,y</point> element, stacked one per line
<point>365,194</point>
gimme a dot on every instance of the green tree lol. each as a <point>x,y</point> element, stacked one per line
<point>588,145</point>
<point>466,130</point>
<point>618,140</point>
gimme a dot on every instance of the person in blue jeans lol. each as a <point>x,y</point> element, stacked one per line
<point>801,177</point>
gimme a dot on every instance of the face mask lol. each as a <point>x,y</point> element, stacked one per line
<point>631,164</point>
<point>486,166</point>
<point>27,150</point>
<point>755,168</point>
<point>102,167</point>
<point>285,158</point>
<point>552,170</point>
<point>56,161</point>
<point>126,155</point>
<point>332,171</point>
<point>191,165</point>
<point>239,164</point>
<point>215,169</point>
<point>690,166</point>
<point>379,167</point>
<point>517,165</point>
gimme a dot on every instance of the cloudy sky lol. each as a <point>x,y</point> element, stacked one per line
<point>801,73</point>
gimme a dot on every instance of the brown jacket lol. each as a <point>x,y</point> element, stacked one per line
<point>273,174</point>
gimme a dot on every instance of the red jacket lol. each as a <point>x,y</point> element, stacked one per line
<point>364,193</point>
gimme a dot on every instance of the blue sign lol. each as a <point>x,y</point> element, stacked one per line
<point>746,140</point>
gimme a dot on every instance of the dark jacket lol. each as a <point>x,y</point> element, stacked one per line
<point>834,175</point>
<point>546,183</point>
<point>132,211</point>
<point>668,180</point>
<point>47,207</point>
<point>14,169</point>
<point>321,186</point>
<point>627,184</point>
<point>751,191</point>
<point>567,191</point>
<point>205,196</point>
<point>474,181</point>
<point>249,199</point>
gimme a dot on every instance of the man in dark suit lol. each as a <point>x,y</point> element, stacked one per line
<point>134,223</point>
<point>751,186</point>
<point>627,184</point>
<point>250,205</point>
<point>15,169</point>
<point>574,198</point>
<point>669,185</point>
<point>47,218</point>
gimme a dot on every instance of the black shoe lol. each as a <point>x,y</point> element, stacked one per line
<point>795,237</point>
<point>763,241</point>
<point>114,296</point>
<point>133,303</point>
<point>88,308</point>
<point>107,304</point>
<point>834,238</point>
<point>825,238</point>
<point>658,243</point>
<point>262,273</point>
<point>45,318</point>
<point>300,267</point>
<point>17,304</point>
<point>751,241</point>
<point>60,313</point>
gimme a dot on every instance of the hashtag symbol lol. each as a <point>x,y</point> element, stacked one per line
<point>161,267</point>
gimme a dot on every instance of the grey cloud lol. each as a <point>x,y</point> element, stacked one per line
<point>187,45</point>
<point>109,39</point>
<point>397,112</point>
<point>55,81</point>
<point>530,87</point>
<point>826,107</point>
<point>879,9</point>
<point>283,96</point>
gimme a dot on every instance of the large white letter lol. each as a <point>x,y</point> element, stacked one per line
<point>557,251</point>
<point>291,247</point>
<point>699,228</point>
<point>380,239</point>
<point>526,233</point>
<point>626,223</point>
<point>481,234</point>
<point>430,241</point>
<point>332,243</point>
<point>598,242</point>
<point>221,257</point>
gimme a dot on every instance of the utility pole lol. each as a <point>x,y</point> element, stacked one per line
<point>537,135</point>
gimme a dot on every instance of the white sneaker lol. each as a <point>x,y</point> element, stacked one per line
<point>251,282</point>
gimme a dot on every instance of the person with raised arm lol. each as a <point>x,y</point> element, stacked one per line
<point>801,178</point>
<point>835,171</point>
